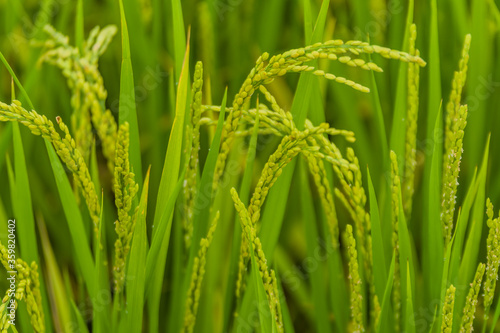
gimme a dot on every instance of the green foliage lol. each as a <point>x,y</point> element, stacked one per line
<point>371,231</point>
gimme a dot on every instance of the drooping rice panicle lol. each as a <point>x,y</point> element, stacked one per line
<point>354,281</point>
<point>395,191</point>
<point>270,122</point>
<point>27,282</point>
<point>267,69</point>
<point>411,126</point>
<point>193,295</point>
<point>8,302</point>
<point>456,120</point>
<point>74,160</point>
<point>492,257</point>
<point>290,146</point>
<point>268,276</point>
<point>65,148</point>
<point>284,118</point>
<point>447,316</point>
<point>471,301</point>
<point>125,191</point>
<point>87,87</point>
<point>193,166</point>
<point>354,199</point>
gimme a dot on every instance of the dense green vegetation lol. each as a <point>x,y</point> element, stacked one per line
<point>249,166</point>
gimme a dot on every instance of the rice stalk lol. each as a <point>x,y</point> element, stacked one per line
<point>411,127</point>
<point>125,192</point>
<point>193,296</point>
<point>395,190</point>
<point>492,257</point>
<point>355,282</point>
<point>449,302</point>
<point>456,120</point>
<point>471,301</point>
<point>193,166</point>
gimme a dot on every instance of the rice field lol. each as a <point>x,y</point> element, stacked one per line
<point>249,166</point>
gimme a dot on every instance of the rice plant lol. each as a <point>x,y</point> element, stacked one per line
<point>213,166</point>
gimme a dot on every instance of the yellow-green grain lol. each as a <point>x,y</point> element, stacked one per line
<point>411,126</point>
<point>125,191</point>
<point>354,281</point>
<point>467,325</point>
<point>65,147</point>
<point>492,257</point>
<point>193,166</point>
<point>456,120</point>
<point>395,191</point>
<point>447,314</point>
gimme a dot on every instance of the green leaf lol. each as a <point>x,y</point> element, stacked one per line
<point>179,35</point>
<point>127,107</point>
<point>201,210</point>
<point>100,322</point>
<point>244,194</point>
<point>461,229</point>
<point>434,104</point>
<point>379,121</point>
<point>338,290</point>
<point>316,276</point>
<point>480,68</point>
<point>434,324</point>
<point>81,326</point>
<point>158,242</point>
<point>379,263</point>
<point>405,259</point>
<point>94,172</point>
<point>172,161</point>
<point>168,180</point>
<point>79,26</point>
<point>22,202</point>
<point>471,252</point>
<point>23,212</point>
<point>287,320</point>
<point>433,252</point>
<point>16,80</point>
<point>384,324</point>
<point>434,70</point>
<point>410,321</point>
<point>495,317</point>
<point>136,268</point>
<point>54,280</point>
<point>398,132</point>
<point>74,220</point>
